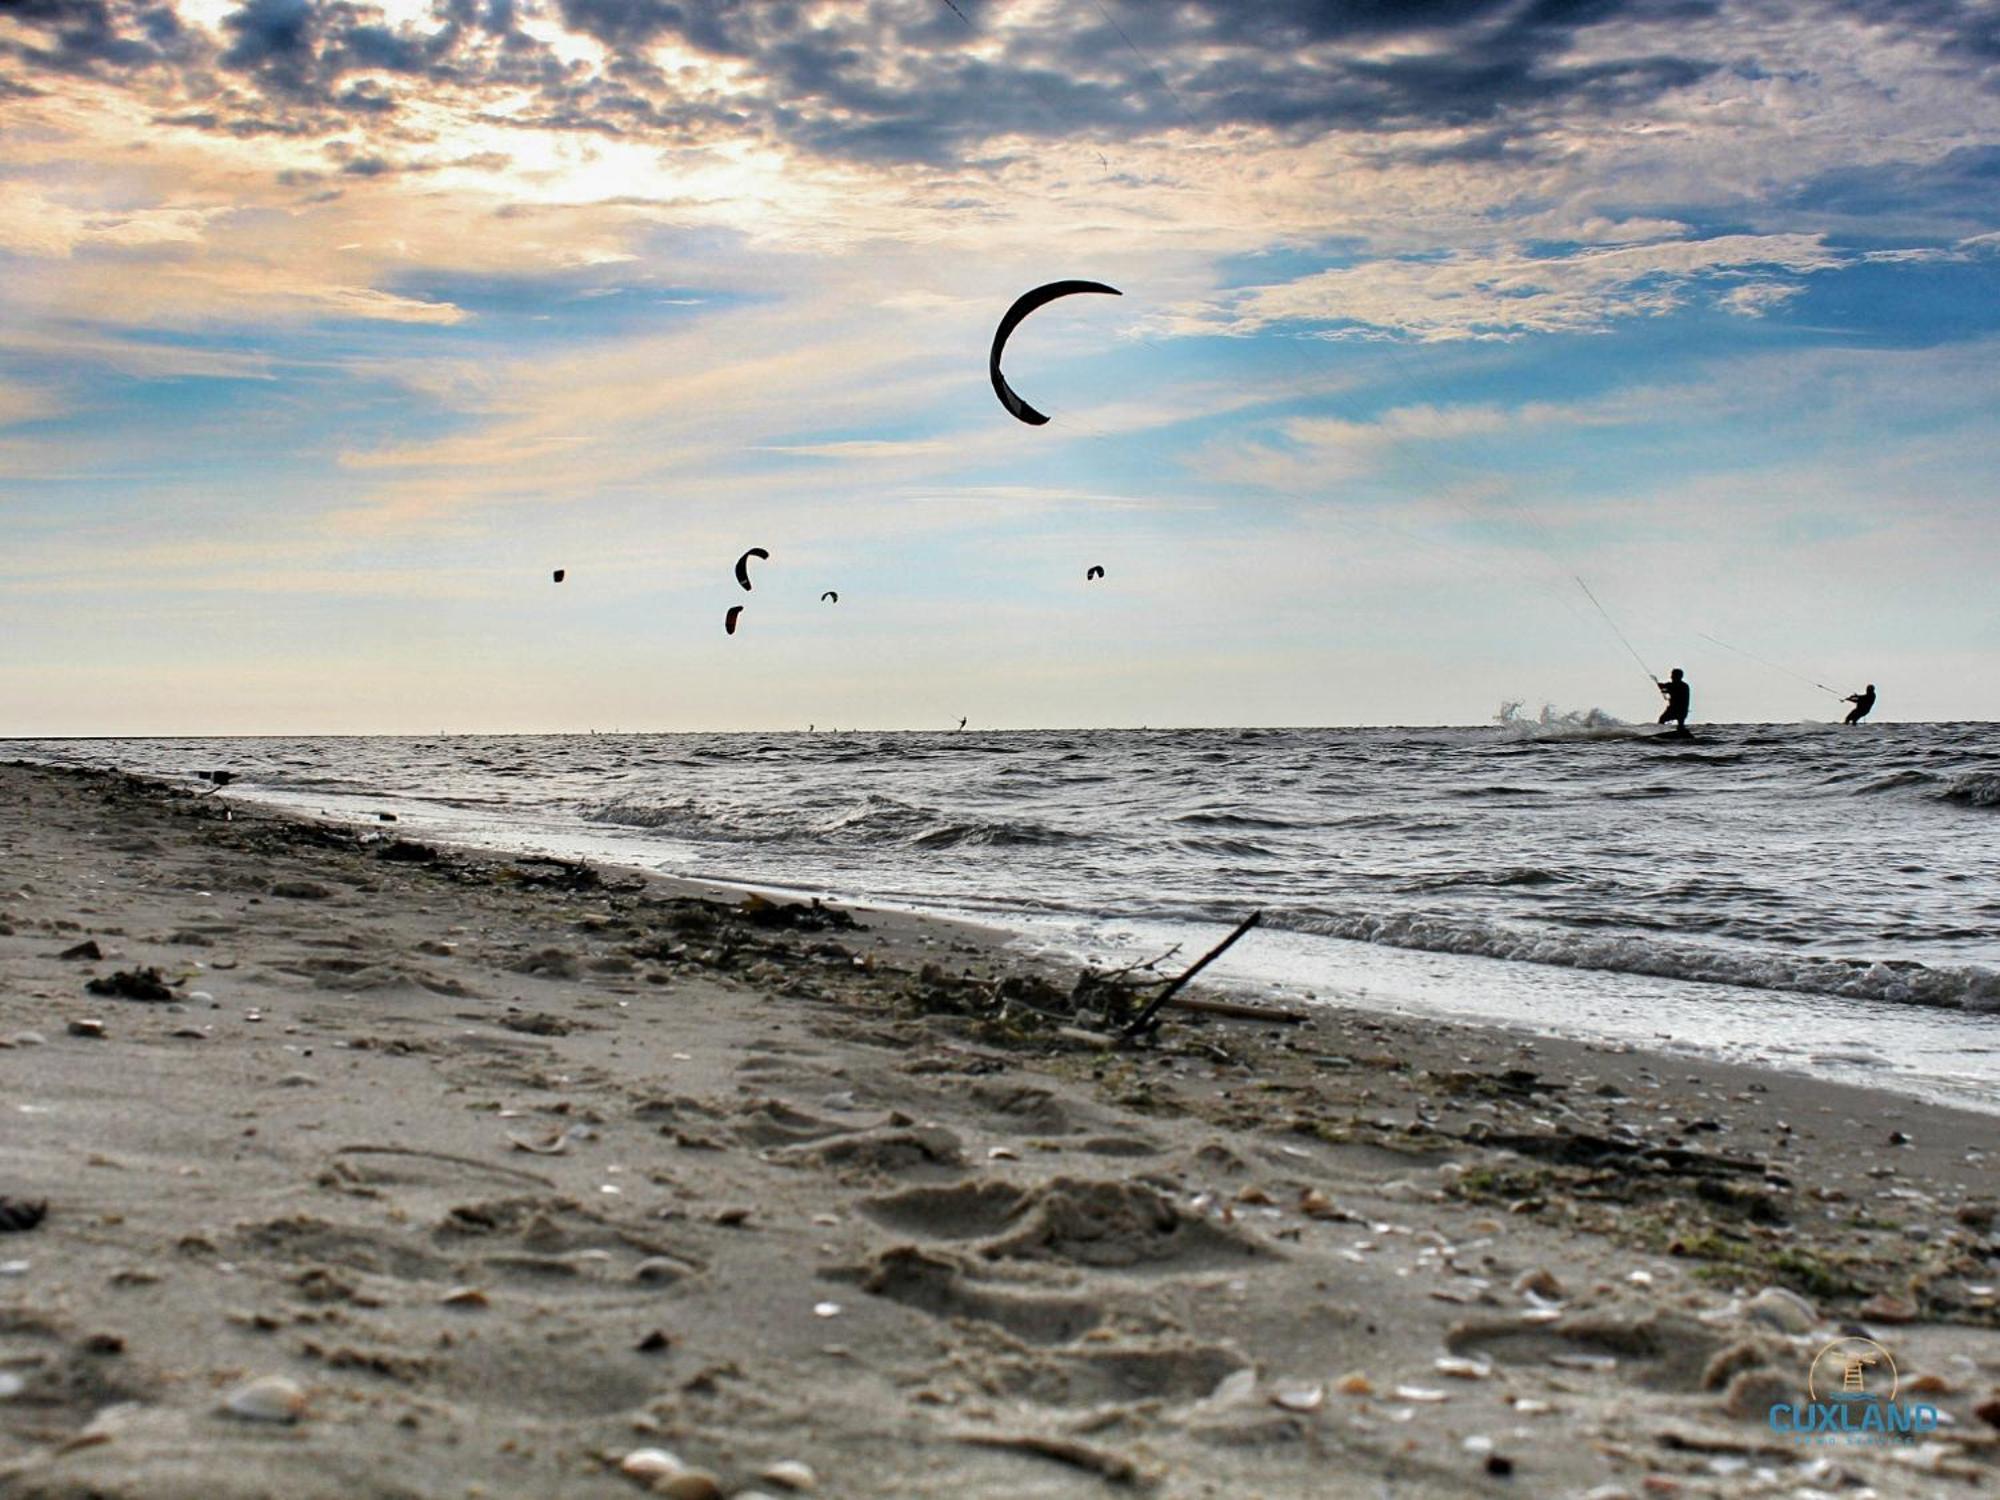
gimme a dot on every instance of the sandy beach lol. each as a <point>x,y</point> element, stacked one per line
<point>391,1170</point>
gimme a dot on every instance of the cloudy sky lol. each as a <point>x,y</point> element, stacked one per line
<point>328,329</point>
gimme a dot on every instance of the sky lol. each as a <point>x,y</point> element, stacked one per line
<point>329,329</point>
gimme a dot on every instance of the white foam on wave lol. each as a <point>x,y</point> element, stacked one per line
<point>1968,987</point>
<point>1554,723</point>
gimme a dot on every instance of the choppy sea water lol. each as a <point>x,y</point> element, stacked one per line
<point>1810,896</point>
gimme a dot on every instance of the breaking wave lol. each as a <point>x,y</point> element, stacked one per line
<point>1894,981</point>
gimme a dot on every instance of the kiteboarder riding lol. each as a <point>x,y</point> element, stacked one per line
<point>1862,703</point>
<point>1675,691</point>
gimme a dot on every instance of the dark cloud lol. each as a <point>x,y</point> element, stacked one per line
<point>889,80</point>
<point>98,36</point>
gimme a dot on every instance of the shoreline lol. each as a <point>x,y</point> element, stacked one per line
<point>1599,1007</point>
<point>1051,1265</point>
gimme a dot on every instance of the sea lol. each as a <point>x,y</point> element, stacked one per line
<point>1818,898</point>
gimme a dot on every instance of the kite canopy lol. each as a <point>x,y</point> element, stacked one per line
<point>1093,573</point>
<point>743,565</point>
<point>559,575</point>
<point>1024,304</point>
<point>729,620</point>
<point>829,594</point>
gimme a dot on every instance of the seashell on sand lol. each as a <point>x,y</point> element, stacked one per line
<point>1462,1369</point>
<point>790,1474</point>
<point>690,1484</point>
<point>1299,1397</point>
<point>269,1398</point>
<point>651,1463</point>
<point>1355,1384</point>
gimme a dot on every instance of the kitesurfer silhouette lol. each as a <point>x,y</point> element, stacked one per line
<point>1862,703</point>
<point>1675,691</point>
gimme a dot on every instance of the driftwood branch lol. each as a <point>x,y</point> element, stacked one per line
<point>1174,986</point>
<point>1237,1011</point>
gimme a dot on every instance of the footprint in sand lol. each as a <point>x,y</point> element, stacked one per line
<point>1123,1226</point>
<point>943,1287</point>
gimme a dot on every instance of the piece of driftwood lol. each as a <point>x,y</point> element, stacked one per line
<point>1145,1017</point>
<point>1100,1461</point>
<point>446,1156</point>
<point>1237,1011</point>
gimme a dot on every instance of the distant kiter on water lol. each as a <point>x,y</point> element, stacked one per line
<point>1862,702</point>
<point>1675,691</point>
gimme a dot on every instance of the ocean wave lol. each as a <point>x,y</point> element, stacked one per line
<point>1512,875</point>
<point>875,822</point>
<point>1896,981</point>
<point>1973,789</point>
<point>1895,781</point>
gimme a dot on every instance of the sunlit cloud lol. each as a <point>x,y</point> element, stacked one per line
<point>387,303</point>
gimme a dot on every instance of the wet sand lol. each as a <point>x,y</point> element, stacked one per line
<point>511,1167</point>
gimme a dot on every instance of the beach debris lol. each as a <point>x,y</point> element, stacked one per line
<point>791,1474</point>
<point>1887,1307</point>
<point>1093,573</point>
<point>1462,1369</point>
<point>301,890</point>
<point>134,984</point>
<point>826,1309</point>
<point>1539,1282</point>
<point>456,1160</point>
<point>661,1270</point>
<point>11,1385</point>
<point>1421,1393</point>
<point>1499,1465</point>
<point>556,1143</point>
<point>18,1215</point>
<point>689,1484</point>
<point>1173,987</point>
<point>1024,304</point>
<point>1315,1204</point>
<point>656,1342</point>
<point>1782,1309</point>
<point>1299,1397</point>
<point>1988,1411</point>
<point>651,1464</point>
<point>465,1296</point>
<point>1578,1148</point>
<point>1100,1461</point>
<point>1596,1364</point>
<point>85,1026</point>
<point>217,778</point>
<point>269,1398</point>
<point>1355,1384</point>
<point>743,565</point>
<point>86,951</point>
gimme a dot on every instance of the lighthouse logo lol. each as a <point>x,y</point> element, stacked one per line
<point>1851,1398</point>
<point>1852,1369</point>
